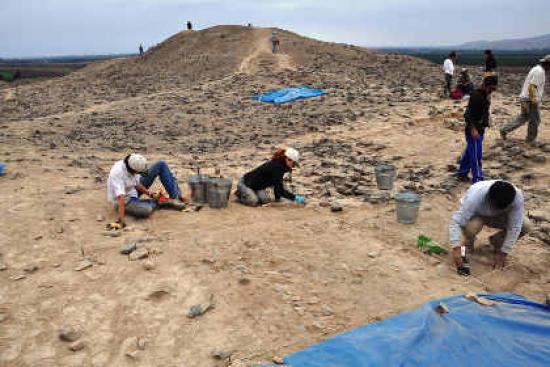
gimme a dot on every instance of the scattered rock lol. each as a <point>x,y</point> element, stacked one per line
<point>198,310</point>
<point>244,281</point>
<point>442,308</point>
<point>18,277</point>
<point>278,360</point>
<point>77,345</point>
<point>335,207</point>
<point>326,310</point>
<point>112,233</point>
<point>480,300</point>
<point>128,248</point>
<point>83,265</point>
<point>149,264</point>
<point>373,254</point>
<point>139,254</point>
<point>69,334</point>
<point>221,355</point>
<point>72,190</point>
<point>29,269</point>
<point>3,266</point>
<point>100,218</point>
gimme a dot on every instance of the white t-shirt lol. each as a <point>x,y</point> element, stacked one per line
<point>475,203</point>
<point>448,67</point>
<point>536,76</point>
<point>121,182</point>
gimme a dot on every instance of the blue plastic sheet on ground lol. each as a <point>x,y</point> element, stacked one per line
<point>514,332</point>
<point>289,94</point>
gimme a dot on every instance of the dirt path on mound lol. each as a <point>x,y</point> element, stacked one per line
<point>261,56</point>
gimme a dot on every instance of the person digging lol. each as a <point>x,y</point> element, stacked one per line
<point>131,177</point>
<point>496,204</point>
<point>251,187</point>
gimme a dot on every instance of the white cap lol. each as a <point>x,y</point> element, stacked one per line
<point>545,59</point>
<point>137,162</point>
<point>293,154</point>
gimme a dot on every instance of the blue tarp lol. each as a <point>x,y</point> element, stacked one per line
<point>289,94</point>
<point>514,332</point>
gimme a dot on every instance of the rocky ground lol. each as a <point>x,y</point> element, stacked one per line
<point>269,280</point>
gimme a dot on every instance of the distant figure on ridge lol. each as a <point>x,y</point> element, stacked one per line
<point>275,42</point>
<point>251,187</point>
<point>448,71</point>
<point>189,26</point>
<point>530,99</point>
<point>490,63</point>
<point>477,119</point>
<point>140,50</point>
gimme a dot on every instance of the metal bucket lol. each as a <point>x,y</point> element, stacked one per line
<point>407,205</point>
<point>385,175</point>
<point>199,188</point>
<point>219,190</point>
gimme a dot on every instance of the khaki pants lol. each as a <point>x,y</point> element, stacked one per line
<point>475,225</point>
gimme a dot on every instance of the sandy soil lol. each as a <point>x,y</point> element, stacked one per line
<point>280,278</point>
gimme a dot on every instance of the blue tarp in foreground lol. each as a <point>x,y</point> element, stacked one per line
<point>289,94</point>
<point>514,332</point>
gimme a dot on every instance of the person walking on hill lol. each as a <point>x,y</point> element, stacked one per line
<point>477,119</point>
<point>131,177</point>
<point>490,63</point>
<point>140,50</point>
<point>275,42</point>
<point>251,187</point>
<point>189,26</point>
<point>530,99</point>
<point>495,204</point>
<point>448,71</point>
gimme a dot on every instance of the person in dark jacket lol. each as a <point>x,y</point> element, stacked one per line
<point>477,120</point>
<point>490,63</point>
<point>251,187</point>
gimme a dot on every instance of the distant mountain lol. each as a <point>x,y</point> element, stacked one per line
<point>518,44</point>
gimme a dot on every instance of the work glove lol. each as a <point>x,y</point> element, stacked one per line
<point>299,199</point>
<point>118,225</point>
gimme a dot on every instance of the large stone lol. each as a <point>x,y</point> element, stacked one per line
<point>69,333</point>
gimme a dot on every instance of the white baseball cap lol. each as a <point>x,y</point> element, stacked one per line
<point>137,162</point>
<point>293,154</point>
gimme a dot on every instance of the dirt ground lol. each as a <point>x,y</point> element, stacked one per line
<point>279,278</point>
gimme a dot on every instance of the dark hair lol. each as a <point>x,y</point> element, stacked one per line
<point>501,194</point>
<point>488,52</point>
<point>128,164</point>
<point>452,54</point>
<point>490,80</point>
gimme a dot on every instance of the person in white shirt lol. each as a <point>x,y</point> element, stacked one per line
<point>530,99</point>
<point>496,204</point>
<point>131,177</point>
<point>448,71</point>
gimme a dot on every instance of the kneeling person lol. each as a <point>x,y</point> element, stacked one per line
<point>131,177</point>
<point>251,187</point>
<point>496,204</point>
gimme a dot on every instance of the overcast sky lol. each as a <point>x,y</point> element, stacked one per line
<point>31,28</point>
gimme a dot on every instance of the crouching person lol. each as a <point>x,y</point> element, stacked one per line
<point>131,177</point>
<point>496,204</point>
<point>251,187</point>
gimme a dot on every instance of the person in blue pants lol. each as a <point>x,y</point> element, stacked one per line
<point>477,120</point>
<point>131,177</point>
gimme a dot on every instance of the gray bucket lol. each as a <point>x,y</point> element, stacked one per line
<point>407,205</point>
<point>385,175</point>
<point>219,190</point>
<point>199,188</point>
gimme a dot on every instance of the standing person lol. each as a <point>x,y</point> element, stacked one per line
<point>251,187</point>
<point>140,50</point>
<point>490,63</point>
<point>130,177</point>
<point>477,119</point>
<point>448,71</point>
<point>275,42</point>
<point>189,26</point>
<point>530,99</point>
<point>496,204</point>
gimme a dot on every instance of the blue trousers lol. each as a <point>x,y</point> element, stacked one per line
<point>139,208</point>
<point>471,158</point>
<point>160,169</point>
